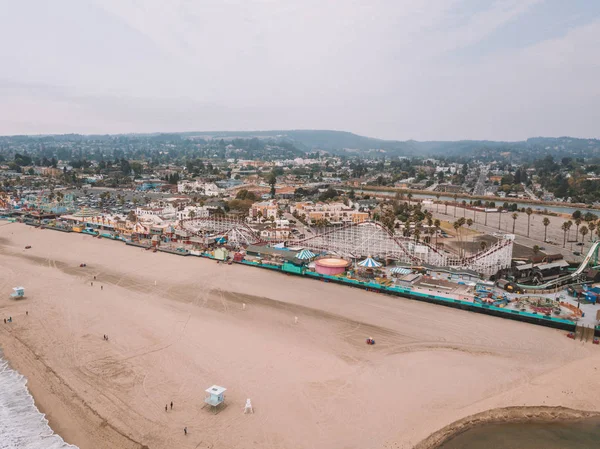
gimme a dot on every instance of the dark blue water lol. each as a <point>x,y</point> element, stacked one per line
<point>583,434</point>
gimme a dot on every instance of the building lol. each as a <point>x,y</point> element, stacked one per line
<point>193,212</point>
<point>156,211</point>
<point>203,188</point>
<point>263,209</point>
<point>332,212</point>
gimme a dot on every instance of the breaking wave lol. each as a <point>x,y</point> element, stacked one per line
<point>22,426</point>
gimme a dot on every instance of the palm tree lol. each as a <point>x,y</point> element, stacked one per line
<point>456,227</point>
<point>584,231</point>
<point>437,224</point>
<point>565,228</point>
<point>437,195</point>
<point>446,204</point>
<point>409,196</point>
<point>464,205</point>
<point>192,214</point>
<point>455,196</point>
<point>592,227</point>
<point>528,211</point>
<point>536,251</point>
<point>469,223</point>
<point>577,223</point>
<point>569,226</point>
<point>514,217</point>
<point>499,217</point>
<point>545,222</point>
<point>430,231</point>
<point>461,222</point>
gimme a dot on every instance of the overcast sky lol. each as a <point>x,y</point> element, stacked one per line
<point>398,69</point>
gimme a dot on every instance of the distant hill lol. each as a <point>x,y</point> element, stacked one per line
<point>342,141</point>
<point>350,143</point>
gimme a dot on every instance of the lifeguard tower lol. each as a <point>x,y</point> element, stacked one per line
<point>18,293</point>
<point>215,397</point>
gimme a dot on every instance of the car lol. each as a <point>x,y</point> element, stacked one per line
<point>579,244</point>
<point>542,248</point>
<point>576,253</point>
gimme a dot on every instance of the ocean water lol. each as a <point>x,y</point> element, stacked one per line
<point>580,434</point>
<point>22,426</point>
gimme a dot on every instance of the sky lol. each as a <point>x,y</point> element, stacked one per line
<point>393,69</point>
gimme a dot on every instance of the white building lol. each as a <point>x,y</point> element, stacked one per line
<point>203,188</point>
<point>198,212</point>
<point>167,211</point>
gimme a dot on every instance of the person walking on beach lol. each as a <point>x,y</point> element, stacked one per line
<point>102,287</point>
<point>4,320</point>
<point>94,277</point>
<point>91,284</point>
<point>185,430</point>
<point>166,408</point>
<point>171,405</point>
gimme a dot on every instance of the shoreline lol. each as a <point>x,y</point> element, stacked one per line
<point>515,414</point>
<point>69,416</point>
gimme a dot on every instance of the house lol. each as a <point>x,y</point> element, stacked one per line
<point>263,209</point>
<point>193,212</point>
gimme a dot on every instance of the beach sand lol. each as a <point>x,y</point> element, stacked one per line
<point>314,384</point>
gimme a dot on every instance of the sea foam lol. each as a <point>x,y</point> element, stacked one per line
<point>22,426</point>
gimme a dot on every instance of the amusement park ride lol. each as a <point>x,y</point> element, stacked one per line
<point>359,240</point>
<point>590,260</point>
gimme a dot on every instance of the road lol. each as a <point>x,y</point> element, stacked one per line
<point>479,189</point>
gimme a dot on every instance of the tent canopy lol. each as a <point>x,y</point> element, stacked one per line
<point>369,262</point>
<point>400,270</point>
<point>305,254</point>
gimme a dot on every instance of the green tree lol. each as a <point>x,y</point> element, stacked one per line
<point>272,180</point>
<point>514,217</point>
<point>565,228</point>
<point>528,211</point>
<point>577,224</point>
<point>469,223</point>
<point>545,222</point>
<point>437,225</point>
<point>592,226</point>
<point>584,231</point>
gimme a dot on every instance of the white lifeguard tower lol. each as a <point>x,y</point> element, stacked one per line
<point>248,407</point>
<point>18,292</point>
<point>215,396</point>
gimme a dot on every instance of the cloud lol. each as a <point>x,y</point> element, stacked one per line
<point>387,68</point>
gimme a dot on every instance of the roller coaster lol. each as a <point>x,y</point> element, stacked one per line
<point>358,240</point>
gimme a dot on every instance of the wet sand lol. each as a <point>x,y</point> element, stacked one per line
<point>314,384</point>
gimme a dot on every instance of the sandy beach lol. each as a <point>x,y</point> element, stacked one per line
<point>314,384</point>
